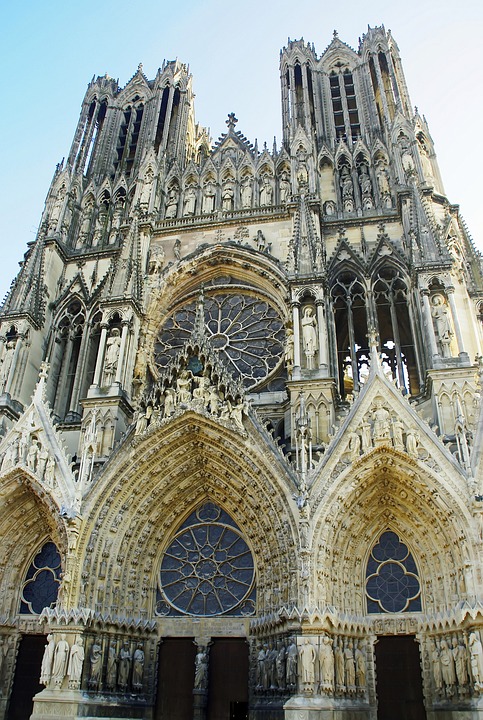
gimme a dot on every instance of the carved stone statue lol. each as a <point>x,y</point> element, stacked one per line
<point>172,202</point>
<point>246,191</point>
<point>32,455</point>
<point>112,355</point>
<point>138,667</point>
<point>476,658</point>
<point>350,667</point>
<point>461,663</point>
<point>183,387</point>
<point>209,194</point>
<point>327,667</point>
<point>381,422</point>
<point>360,659</point>
<point>291,666</point>
<point>437,672</point>
<point>280,665</point>
<point>289,350</point>
<point>339,666</point>
<point>442,325</point>
<point>169,402</point>
<point>261,667</point>
<point>309,336</point>
<point>189,200</point>
<point>447,667</point>
<point>76,660</point>
<point>61,657</point>
<point>95,664</point>
<point>307,661</point>
<point>347,190</point>
<point>47,660</point>
<point>147,187</point>
<point>201,668</point>
<point>6,363</point>
<point>227,196</point>
<point>366,188</point>
<point>285,188</point>
<point>111,669</point>
<point>124,666</point>
<point>266,191</point>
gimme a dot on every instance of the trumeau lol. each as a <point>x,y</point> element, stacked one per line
<point>240,400</point>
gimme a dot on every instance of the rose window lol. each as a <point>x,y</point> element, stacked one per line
<point>246,330</point>
<point>392,583</point>
<point>207,569</point>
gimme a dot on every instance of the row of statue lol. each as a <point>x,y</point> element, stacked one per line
<point>197,391</point>
<point>325,665</point>
<point>457,665</point>
<point>27,450</point>
<point>124,670</point>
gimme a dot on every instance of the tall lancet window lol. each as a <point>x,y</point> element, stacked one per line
<point>395,329</point>
<point>350,316</point>
<point>344,106</point>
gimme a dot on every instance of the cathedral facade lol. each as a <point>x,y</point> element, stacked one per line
<point>241,429</point>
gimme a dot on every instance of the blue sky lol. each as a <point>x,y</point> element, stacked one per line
<point>50,50</point>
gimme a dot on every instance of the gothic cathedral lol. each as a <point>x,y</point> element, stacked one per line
<point>241,429</point>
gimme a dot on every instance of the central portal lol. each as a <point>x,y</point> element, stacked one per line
<point>399,685</point>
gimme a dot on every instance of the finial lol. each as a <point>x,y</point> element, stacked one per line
<point>140,68</point>
<point>336,34</point>
<point>232,121</point>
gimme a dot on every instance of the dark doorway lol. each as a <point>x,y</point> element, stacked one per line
<point>399,685</point>
<point>27,673</point>
<point>228,684</point>
<point>176,679</point>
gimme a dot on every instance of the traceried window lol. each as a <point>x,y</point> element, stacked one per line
<point>349,306</point>
<point>207,568</point>
<point>344,105</point>
<point>42,581</point>
<point>246,330</point>
<point>394,325</point>
<point>392,582</point>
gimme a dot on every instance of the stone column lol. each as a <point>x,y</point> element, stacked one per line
<point>428,321</point>
<point>100,355</point>
<point>296,335</point>
<point>454,315</point>
<point>122,352</point>
<point>322,333</point>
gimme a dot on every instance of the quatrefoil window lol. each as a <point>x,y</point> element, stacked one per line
<point>207,569</point>
<point>42,581</point>
<point>246,330</point>
<point>392,583</point>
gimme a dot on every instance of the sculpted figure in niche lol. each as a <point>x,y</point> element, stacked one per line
<point>302,172</point>
<point>461,663</point>
<point>425,160</point>
<point>266,192</point>
<point>366,188</point>
<point>381,421</point>
<point>76,660</point>
<point>339,666</point>
<point>169,402</point>
<point>307,661</point>
<point>246,191</point>
<point>111,670</point>
<point>347,189</point>
<point>183,387</point>
<point>447,667</point>
<point>95,664</point>
<point>47,660</point>
<point>291,666</point>
<point>172,202</point>
<point>190,200</point>
<point>124,666</point>
<point>309,336</point>
<point>280,665</point>
<point>138,667</point>
<point>55,214</point>
<point>327,667</point>
<point>112,355</point>
<point>227,196</point>
<point>437,671</point>
<point>6,363</point>
<point>383,184</point>
<point>442,325</point>
<point>32,455</point>
<point>86,221</point>
<point>350,667</point>
<point>354,446</point>
<point>476,658</point>
<point>329,207</point>
<point>360,659</point>
<point>147,187</point>
<point>261,667</point>
<point>201,668</point>
<point>412,443</point>
<point>285,188</point>
<point>289,351</point>
<point>209,193</point>
<point>61,656</point>
<point>156,261</point>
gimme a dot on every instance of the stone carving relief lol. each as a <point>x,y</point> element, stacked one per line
<point>456,662</point>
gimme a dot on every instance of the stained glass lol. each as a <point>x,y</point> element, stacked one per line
<point>392,583</point>
<point>42,581</point>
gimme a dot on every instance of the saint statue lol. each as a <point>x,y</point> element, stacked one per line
<point>309,336</point>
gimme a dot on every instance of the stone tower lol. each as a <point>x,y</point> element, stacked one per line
<point>240,452</point>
